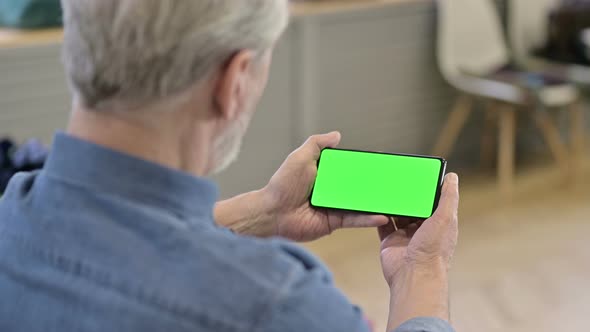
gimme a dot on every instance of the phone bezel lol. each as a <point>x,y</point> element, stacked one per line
<point>438,189</point>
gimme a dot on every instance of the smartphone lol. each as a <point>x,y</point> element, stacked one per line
<point>379,183</point>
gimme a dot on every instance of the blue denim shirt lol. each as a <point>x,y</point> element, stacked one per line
<point>102,241</point>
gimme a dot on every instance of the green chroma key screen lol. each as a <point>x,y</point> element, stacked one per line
<point>390,184</point>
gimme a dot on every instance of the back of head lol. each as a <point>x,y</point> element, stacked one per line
<point>130,53</point>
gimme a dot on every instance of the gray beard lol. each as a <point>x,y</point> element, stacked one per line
<point>228,145</point>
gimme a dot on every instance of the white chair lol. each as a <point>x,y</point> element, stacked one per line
<point>474,58</point>
<point>528,25</point>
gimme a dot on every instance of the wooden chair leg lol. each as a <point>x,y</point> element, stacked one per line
<point>506,149</point>
<point>453,126</point>
<point>488,139</point>
<point>553,139</point>
<point>577,138</point>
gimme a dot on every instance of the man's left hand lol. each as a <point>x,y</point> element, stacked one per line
<point>289,191</point>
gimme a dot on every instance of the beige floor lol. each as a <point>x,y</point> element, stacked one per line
<point>522,264</point>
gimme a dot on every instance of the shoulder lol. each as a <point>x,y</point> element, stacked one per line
<point>267,263</point>
<point>19,185</point>
<point>16,199</point>
<point>291,288</point>
<point>229,278</point>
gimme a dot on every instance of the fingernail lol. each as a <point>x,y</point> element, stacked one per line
<point>452,178</point>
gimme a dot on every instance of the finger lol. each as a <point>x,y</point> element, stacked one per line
<point>385,231</point>
<point>449,199</point>
<point>360,220</point>
<point>412,229</point>
<point>315,144</point>
<point>403,222</point>
<point>400,238</point>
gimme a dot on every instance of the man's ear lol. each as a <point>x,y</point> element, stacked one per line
<point>231,89</point>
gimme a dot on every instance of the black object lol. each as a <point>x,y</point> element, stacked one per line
<point>566,25</point>
<point>29,157</point>
<point>6,168</point>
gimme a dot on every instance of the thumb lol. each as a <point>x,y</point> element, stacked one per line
<point>315,144</point>
<point>449,200</point>
<point>397,239</point>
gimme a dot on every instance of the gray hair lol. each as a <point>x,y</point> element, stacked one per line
<point>134,52</point>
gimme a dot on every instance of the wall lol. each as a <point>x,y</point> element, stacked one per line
<point>371,74</point>
<point>34,100</point>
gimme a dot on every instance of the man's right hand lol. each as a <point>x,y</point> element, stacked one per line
<point>416,259</point>
<point>422,245</point>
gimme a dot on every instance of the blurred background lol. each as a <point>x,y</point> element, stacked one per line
<point>499,88</point>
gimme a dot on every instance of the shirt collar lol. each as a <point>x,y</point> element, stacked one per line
<point>101,169</point>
